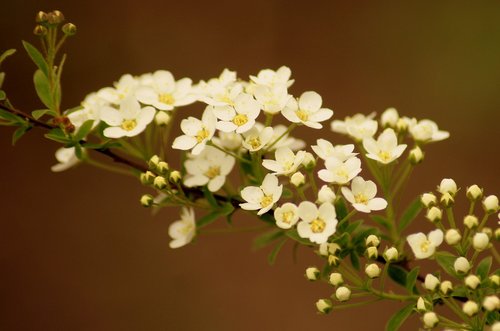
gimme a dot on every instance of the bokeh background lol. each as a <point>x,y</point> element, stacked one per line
<point>77,252</point>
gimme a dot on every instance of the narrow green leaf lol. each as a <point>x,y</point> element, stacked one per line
<point>37,114</point>
<point>37,58</point>
<point>410,214</point>
<point>42,87</point>
<point>227,209</point>
<point>207,219</point>
<point>293,234</point>
<point>19,133</point>
<point>411,279</point>
<point>57,88</point>
<point>353,226</point>
<point>397,274</point>
<point>2,94</point>
<point>10,117</point>
<point>58,135</point>
<point>381,221</point>
<point>399,318</point>
<point>355,260</point>
<point>210,198</point>
<point>83,131</point>
<point>6,54</point>
<point>271,258</point>
<point>341,209</point>
<point>446,261</point>
<point>483,268</point>
<point>266,238</point>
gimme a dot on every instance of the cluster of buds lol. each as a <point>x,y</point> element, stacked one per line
<point>51,20</point>
<point>160,177</point>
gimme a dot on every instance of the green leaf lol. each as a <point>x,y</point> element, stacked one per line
<point>57,89</point>
<point>6,54</point>
<point>355,260</point>
<point>8,116</point>
<point>446,261</point>
<point>19,133</point>
<point>410,214</point>
<point>2,94</point>
<point>411,279</point>
<point>40,112</point>
<point>207,219</point>
<point>58,135</point>
<point>399,318</point>
<point>271,258</point>
<point>341,209</point>
<point>227,209</point>
<point>210,198</point>
<point>37,58</point>
<point>353,226</point>
<point>42,87</point>
<point>84,130</point>
<point>266,238</point>
<point>78,151</point>
<point>397,274</point>
<point>293,234</point>
<point>483,268</point>
<point>381,220</point>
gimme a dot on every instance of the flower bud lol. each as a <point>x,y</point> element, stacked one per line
<point>309,161</point>
<point>147,177</point>
<point>495,280</point>
<point>372,240</point>
<point>447,200</point>
<point>69,29</point>
<point>312,273</point>
<point>474,192</point>
<point>326,194</point>
<point>324,306</point>
<point>434,214</point>
<point>495,326</point>
<point>41,17</point>
<point>391,254</point>
<point>487,231</point>
<point>343,293</point>
<point>446,287</point>
<point>404,123</point>
<point>491,303</point>
<point>333,260</point>
<point>472,281</point>
<point>416,155</point>
<point>57,16</point>
<point>470,308</point>
<point>490,204</point>
<point>461,265</point>
<point>372,252</point>
<point>326,249</point>
<point>40,31</point>
<point>175,176</point>
<point>153,162</point>
<point>448,185</point>
<point>372,270</point>
<point>162,118</point>
<point>162,167</point>
<point>430,319</point>
<point>147,200</point>
<point>480,241</point>
<point>389,118</point>
<point>452,237</point>
<point>471,221</point>
<point>160,182</point>
<point>431,282</point>
<point>421,307</point>
<point>428,199</point>
<point>336,279</point>
<point>297,179</point>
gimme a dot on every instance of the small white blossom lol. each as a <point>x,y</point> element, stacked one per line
<point>490,204</point>
<point>339,172</point>
<point>336,279</point>
<point>372,270</point>
<point>92,105</point>
<point>434,214</point>
<point>286,141</point>
<point>491,303</point>
<point>129,121</point>
<point>286,161</point>
<point>372,240</point>
<point>165,93</point>
<point>325,194</point>
<point>286,215</point>
<point>307,110</point>
<point>446,287</point>
<point>257,138</point>
<point>325,149</point>
<point>264,197</point>
<point>427,131</point>
<point>452,237</point>
<point>240,116</point>
<point>326,249</point>
<point>431,282</point>
<point>210,168</point>
<point>272,100</point>
<point>196,132</point>
<point>123,88</point>
<point>425,246</point>
<point>343,293</point>
<point>471,221</point>
<point>472,281</point>
<point>271,78</point>
<point>358,127</point>
<point>391,254</point>
<point>324,306</point>
<point>474,192</point>
<point>317,224</point>
<point>362,195</point>
<point>421,305</point>
<point>183,230</point>
<point>228,140</point>
<point>389,117</point>
<point>312,273</point>
<point>66,158</point>
<point>428,199</point>
<point>220,91</point>
<point>297,179</point>
<point>162,118</point>
<point>385,149</point>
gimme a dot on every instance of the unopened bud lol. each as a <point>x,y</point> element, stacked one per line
<point>160,182</point>
<point>324,306</point>
<point>434,214</point>
<point>452,237</point>
<point>69,29</point>
<point>461,265</point>
<point>162,118</point>
<point>40,31</point>
<point>372,270</point>
<point>430,319</point>
<point>326,249</point>
<point>162,167</point>
<point>41,17</point>
<point>297,179</point>
<point>446,287</point>
<point>343,293</point>
<point>472,281</point>
<point>428,199</point>
<point>480,241</point>
<point>309,161</point>
<point>391,254</point>
<point>421,306</point>
<point>147,200</point>
<point>416,156</point>
<point>448,185</point>
<point>495,280</point>
<point>431,282</point>
<point>147,177</point>
<point>490,204</point>
<point>474,192</point>
<point>371,252</point>
<point>389,118</point>
<point>326,194</point>
<point>153,162</point>
<point>487,231</point>
<point>59,17</point>
<point>336,279</point>
<point>491,303</point>
<point>470,308</point>
<point>175,176</point>
<point>372,240</point>
<point>312,273</point>
<point>471,221</point>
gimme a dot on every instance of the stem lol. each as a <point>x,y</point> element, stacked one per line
<point>310,175</point>
<point>451,218</point>
<point>290,128</point>
<point>495,253</point>
<point>107,167</point>
<point>239,158</point>
<point>356,304</point>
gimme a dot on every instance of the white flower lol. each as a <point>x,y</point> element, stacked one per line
<point>431,282</point>
<point>286,216</point>
<point>122,89</point>
<point>164,93</point>
<point>272,100</point>
<point>286,161</point>
<point>324,149</point>
<point>307,110</point>
<point>264,197</point>
<point>257,138</point>
<point>425,246</point>
<point>385,149</point>
<point>228,140</point>
<point>427,131</point>
<point>92,105</point>
<point>339,172</point>
<point>447,185</point>
<point>209,167</point>
<point>480,241</point>
<point>196,132</point>
<point>239,117</point>
<point>66,158</point>
<point>358,127</point>
<point>220,91</point>
<point>389,117</point>
<point>285,141</point>
<point>362,195</point>
<point>129,121</point>
<point>183,230</point>
<point>271,78</point>
<point>317,224</point>
<point>326,194</point>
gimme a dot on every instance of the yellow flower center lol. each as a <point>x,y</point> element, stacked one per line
<point>318,225</point>
<point>213,172</point>
<point>343,174</point>
<point>187,228</point>
<point>360,198</point>
<point>202,135</point>
<point>240,119</point>
<point>254,142</point>
<point>384,156</point>
<point>166,98</point>
<point>288,165</point>
<point>424,246</point>
<point>266,201</point>
<point>287,217</point>
<point>302,114</point>
<point>128,125</point>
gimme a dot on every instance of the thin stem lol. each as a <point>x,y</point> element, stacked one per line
<point>451,217</point>
<point>356,304</point>
<point>310,175</point>
<point>290,128</point>
<point>239,158</point>
<point>107,167</point>
<point>495,253</point>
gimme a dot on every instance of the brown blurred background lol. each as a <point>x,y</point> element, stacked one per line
<point>77,252</point>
